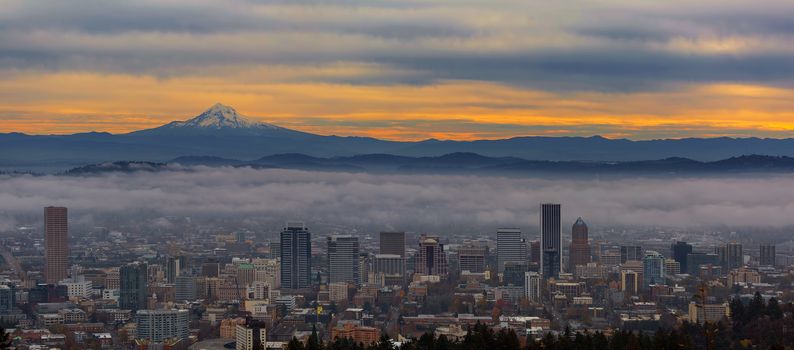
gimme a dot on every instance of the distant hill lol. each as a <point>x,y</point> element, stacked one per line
<point>220,132</point>
<point>465,163</point>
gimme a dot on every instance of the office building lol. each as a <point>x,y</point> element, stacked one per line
<point>392,243</point>
<point>679,251</point>
<point>695,260</point>
<point>251,335</point>
<point>712,313</point>
<point>185,288</point>
<point>532,286</point>
<point>296,254</point>
<point>550,240</point>
<point>56,244</point>
<point>630,252</point>
<point>172,269</point>
<point>534,252</point>
<point>629,282</point>
<point>343,259</point>
<point>390,267</point>
<point>579,252</point>
<point>734,255</point>
<point>514,273</point>
<point>767,255</point>
<point>431,258</point>
<point>472,258</point>
<point>653,268</point>
<point>8,299</point>
<point>160,325</point>
<point>510,246</point>
<point>133,286</point>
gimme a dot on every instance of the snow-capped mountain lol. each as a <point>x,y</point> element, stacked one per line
<point>220,116</point>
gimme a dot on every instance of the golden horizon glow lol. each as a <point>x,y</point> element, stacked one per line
<point>70,102</point>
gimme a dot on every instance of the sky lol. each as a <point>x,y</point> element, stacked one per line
<point>426,203</point>
<point>404,69</point>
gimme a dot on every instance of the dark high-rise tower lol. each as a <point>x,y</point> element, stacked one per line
<point>56,244</point>
<point>580,248</point>
<point>735,255</point>
<point>392,243</point>
<point>767,257</point>
<point>550,240</point>
<point>679,252</point>
<point>296,254</point>
<point>343,259</point>
<point>133,286</point>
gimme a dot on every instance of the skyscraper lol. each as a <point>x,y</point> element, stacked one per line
<point>580,248</point>
<point>680,251</point>
<point>653,268</point>
<point>343,259</point>
<point>767,257</point>
<point>735,255</point>
<point>56,244</point>
<point>296,251</point>
<point>133,286</point>
<point>510,246</point>
<point>550,240</point>
<point>392,243</point>
<point>431,258</point>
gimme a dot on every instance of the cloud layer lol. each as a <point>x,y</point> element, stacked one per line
<point>477,69</point>
<point>410,202</point>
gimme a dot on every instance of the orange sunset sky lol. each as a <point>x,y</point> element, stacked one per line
<point>403,70</point>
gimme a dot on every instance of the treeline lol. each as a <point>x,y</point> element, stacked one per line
<point>758,325</point>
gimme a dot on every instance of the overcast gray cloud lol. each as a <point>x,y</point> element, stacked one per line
<point>413,202</point>
<point>581,45</point>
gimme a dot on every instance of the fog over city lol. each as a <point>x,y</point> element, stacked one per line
<point>415,202</point>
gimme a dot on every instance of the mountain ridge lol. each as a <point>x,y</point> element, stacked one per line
<point>222,132</point>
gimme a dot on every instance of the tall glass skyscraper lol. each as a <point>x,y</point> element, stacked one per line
<point>296,256</point>
<point>550,240</point>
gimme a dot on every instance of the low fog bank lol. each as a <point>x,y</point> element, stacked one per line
<point>410,202</point>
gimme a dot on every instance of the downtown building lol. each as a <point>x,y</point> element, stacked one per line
<point>296,254</point>
<point>343,259</point>
<point>392,243</point>
<point>550,240</point>
<point>510,247</point>
<point>161,325</point>
<point>472,257</point>
<point>56,244</point>
<point>133,286</point>
<point>653,269</point>
<point>766,255</point>
<point>579,253</point>
<point>431,260</point>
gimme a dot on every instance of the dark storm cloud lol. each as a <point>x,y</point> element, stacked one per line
<point>407,201</point>
<point>585,45</point>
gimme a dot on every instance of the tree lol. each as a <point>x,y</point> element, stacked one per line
<point>5,339</point>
